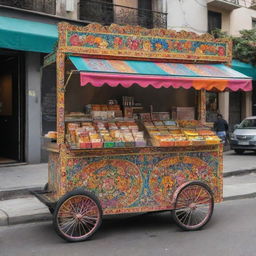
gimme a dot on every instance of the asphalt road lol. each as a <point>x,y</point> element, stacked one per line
<point>231,231</point>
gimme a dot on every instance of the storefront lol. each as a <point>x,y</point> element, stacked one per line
<point>12,106</point>
<point>23,44</point>
<point>250,99</point>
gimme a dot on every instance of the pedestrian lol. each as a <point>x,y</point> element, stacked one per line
<point>221,128</point>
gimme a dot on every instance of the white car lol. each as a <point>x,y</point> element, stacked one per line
<point>244,136</point>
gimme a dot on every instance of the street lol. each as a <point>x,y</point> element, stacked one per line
<point>231,231</point>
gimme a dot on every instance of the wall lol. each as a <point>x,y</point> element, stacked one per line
<point>241,19</point>
<point>159,5</point>
<point>130,3</point>
<point>61,9</point>
<point>187,15</point>
<point>33,108</point>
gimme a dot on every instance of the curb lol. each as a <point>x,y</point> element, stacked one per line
<point>244,196</point>
<point>17,192</point>
<point>29,218</point>
<point>239,172</point>
<point>5,220</point>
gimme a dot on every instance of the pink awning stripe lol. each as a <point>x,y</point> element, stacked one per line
<point>113,80</point>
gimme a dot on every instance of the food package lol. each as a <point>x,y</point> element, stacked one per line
<point>109,144</point>
<point>212,139</point>
<point>51,135</point>
<point>97,144</point>
<point>190,133</point>
<point>85,145</point>
<point>206,133</point>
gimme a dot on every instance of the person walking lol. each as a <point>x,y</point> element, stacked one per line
<point>221,128</point>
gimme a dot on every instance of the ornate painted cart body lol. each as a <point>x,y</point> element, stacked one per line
<point>84,184</point>
<point>133,181</point>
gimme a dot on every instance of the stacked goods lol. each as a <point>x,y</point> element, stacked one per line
<point>167,133</point>
<point>169,140</point>
<point>104,134</point>
<point>170,123</point>
<point>131,135</point>
<point>71,136</point>
<point>193,136</point>
<point>139,139</point>
<point>188,123</point>
<point>104,112</point>
<point>146,117</point>
<point>160,115</point>
<point>210,137</point>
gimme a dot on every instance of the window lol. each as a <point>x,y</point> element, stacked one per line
<point>253,23</point>
<point>145,14</point>
<point>97,11</point>
<point>211,106</point>
<point>214,21</point>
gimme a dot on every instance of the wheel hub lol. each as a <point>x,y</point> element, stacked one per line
<point>193,206</point>
<point>79,216</point>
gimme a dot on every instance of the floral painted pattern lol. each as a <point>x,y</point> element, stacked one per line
<point>136,43</point>
<point>117,182</point>
<point>172,172</point>
<point>130,183</point>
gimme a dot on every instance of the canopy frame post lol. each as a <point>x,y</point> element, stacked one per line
<point>60,66</point>
<point>202,106</point>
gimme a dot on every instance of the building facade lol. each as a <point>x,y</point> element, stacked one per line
<point>231,16</point>
<point>28,32</point>
<point>21,54</point>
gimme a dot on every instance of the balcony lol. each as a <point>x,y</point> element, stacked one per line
<point>253,5</point>
<point>227,5</point>
<point>107,13</point>
<point>44,6</point>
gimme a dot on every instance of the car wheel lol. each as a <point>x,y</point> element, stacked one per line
<point>239,151</point>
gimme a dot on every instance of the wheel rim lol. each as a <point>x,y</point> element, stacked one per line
<point>194,206</point>
<point>78,217</point>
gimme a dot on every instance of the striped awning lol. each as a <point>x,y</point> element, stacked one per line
<point>158,74</point>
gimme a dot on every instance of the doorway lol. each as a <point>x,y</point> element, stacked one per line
<point>12,96</point>
<point>235,107</point>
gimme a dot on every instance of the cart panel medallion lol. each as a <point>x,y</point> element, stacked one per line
<point>170,173</point>
<point>116,182</point>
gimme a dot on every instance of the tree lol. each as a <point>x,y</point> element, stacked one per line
<point>244,46</point>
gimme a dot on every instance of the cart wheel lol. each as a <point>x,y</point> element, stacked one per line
<point>193,206</point>
<point>77,216</point>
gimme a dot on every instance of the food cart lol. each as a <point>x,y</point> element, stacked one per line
<point>109,159</point>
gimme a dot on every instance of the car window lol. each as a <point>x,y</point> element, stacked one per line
<point>248,123</point>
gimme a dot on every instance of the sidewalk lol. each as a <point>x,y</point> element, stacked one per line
<point>235,164</point>
<point>18,206</point>
<point>18,179</point>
